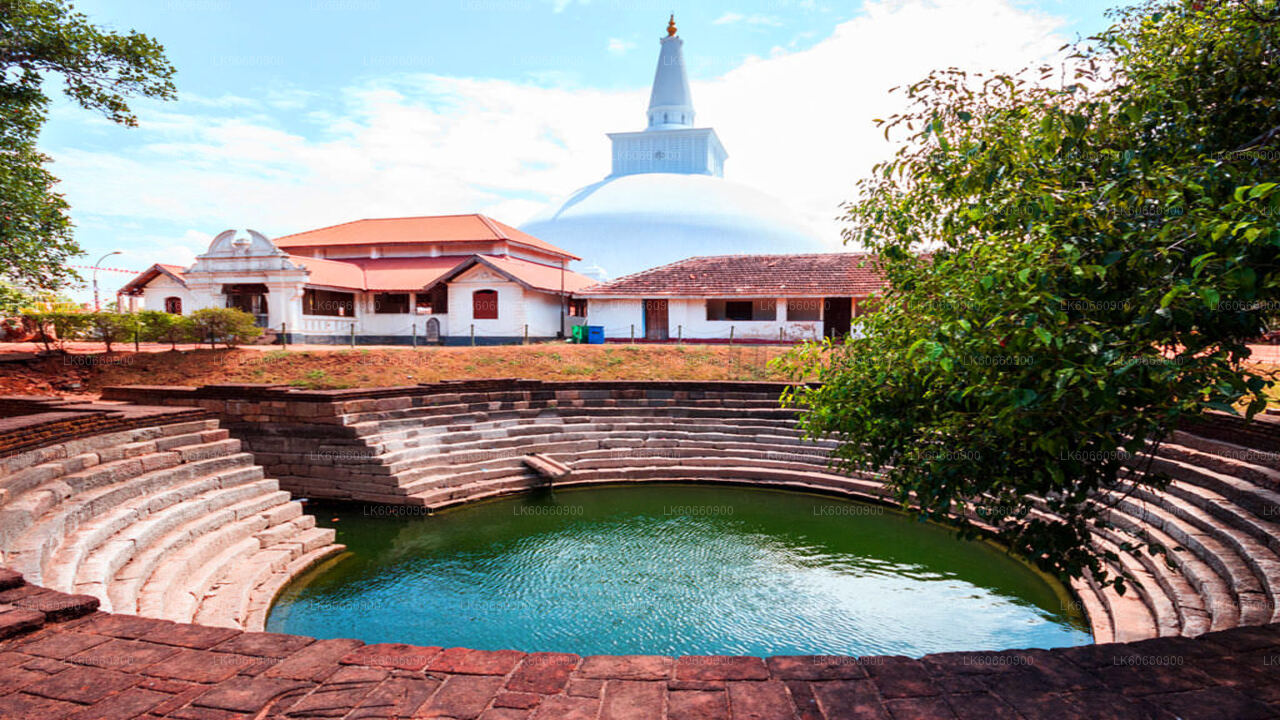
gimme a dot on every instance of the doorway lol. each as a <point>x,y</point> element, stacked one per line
<point>837,317</point>
<point>655,320</point>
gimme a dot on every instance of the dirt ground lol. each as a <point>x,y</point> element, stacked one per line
<point>83,374</point>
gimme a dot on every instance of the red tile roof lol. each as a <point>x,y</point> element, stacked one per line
<point>806,275</point>
<point>141,279</point>
<point>433,229</point>
<point>533,275</point>
<point>397,273</point>
<point>539,276</point>
<point>405,273</point>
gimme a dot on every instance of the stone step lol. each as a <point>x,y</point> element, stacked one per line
<point>1213,587</point>
<point>244,600</point>
<point>228,601</point>
<point>1095,610</point>
<point>589,454</point>
<point>1240,580</point>
<point>1244,505</point>
<point>1141,579</point>
<point>34,542</point>
<point>1187,582</point>
<point>1130,617</point>
<point>134,516</point>
<point>14,465</point>
<point>546,467</point>
<point>563,442</point>
<point>182,579</point>
<point>392,439</point>
<point>124,590</point>
<point>101,566</point>
<point>479,442</point>
<point>1260,584</point>
<point>410,433</point>
<point>262,597</point>
<point>1235,453</point>
<point>34,493</point>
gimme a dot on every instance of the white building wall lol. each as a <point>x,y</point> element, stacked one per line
<point>511,307</point>
<point>687,317</point>
<point>616,316</point>
<point>154,294</point>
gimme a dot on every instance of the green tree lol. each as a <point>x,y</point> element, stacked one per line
<point>110,327</point>
<point>1101,241</point>
<point>101,70</point>
<point>159,326</point>
<point>13,300</point>
<point>230,326</point>
<point>58,327</point>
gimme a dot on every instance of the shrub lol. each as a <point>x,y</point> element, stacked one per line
<point>58,327</point>
<point>159,326</point>
<point>110,327</point>
<point>230,326</point>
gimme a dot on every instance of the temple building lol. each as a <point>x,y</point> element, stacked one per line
<point>666,197</point>
<point>761,298</point>
<point>454,279</point>
<point>468,279</point>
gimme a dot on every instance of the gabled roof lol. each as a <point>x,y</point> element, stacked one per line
<point>174,272</point>
<point>536,276</point>
<point>430,229</point>
<point>770,276</point>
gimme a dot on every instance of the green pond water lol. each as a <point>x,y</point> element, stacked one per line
<point>674,570</point>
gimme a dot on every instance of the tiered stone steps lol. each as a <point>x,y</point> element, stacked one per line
<point>1219,517</point>
<point>171,521</point>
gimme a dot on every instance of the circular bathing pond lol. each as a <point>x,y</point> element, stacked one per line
<point>672,570</point>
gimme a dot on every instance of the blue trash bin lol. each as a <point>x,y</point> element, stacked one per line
<point>595,334</point>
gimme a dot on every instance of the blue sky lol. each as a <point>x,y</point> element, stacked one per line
<point>294,114</point>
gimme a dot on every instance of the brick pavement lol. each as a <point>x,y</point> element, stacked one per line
<point>81,664</point>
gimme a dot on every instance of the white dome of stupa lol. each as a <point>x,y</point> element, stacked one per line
<point>629,223</point>
<point>667,199</point>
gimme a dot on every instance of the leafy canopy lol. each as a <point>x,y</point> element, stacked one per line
<point>101,70</point>
<point>1099,240</point>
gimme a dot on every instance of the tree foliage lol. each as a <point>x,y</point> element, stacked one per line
<point>159,326</point>
<point>109,327</point>
<point>1076,255</point>
<point>230,326</point>
<point>101,70</point>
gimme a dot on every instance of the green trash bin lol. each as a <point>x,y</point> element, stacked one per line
<point>579,334</point>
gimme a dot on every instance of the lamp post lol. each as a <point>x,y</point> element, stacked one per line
<point>96,305</point>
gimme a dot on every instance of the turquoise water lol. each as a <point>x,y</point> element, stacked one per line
<point>672,569</point>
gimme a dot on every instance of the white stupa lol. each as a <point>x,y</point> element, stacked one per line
<point>667,198</point>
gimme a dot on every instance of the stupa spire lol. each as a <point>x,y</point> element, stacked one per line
<point>670,103</point>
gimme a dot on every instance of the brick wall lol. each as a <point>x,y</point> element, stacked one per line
<point>31,423</point>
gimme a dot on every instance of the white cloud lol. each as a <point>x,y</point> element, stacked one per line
<point>734,18</point>
<point>618,46</point>
<point>797,124</point>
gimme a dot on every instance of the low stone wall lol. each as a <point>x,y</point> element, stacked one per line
<point>28,423</point>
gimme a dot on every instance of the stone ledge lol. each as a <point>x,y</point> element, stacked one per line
<point>102,665</point>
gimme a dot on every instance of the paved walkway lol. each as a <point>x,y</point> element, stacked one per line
<point>60,658</point>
